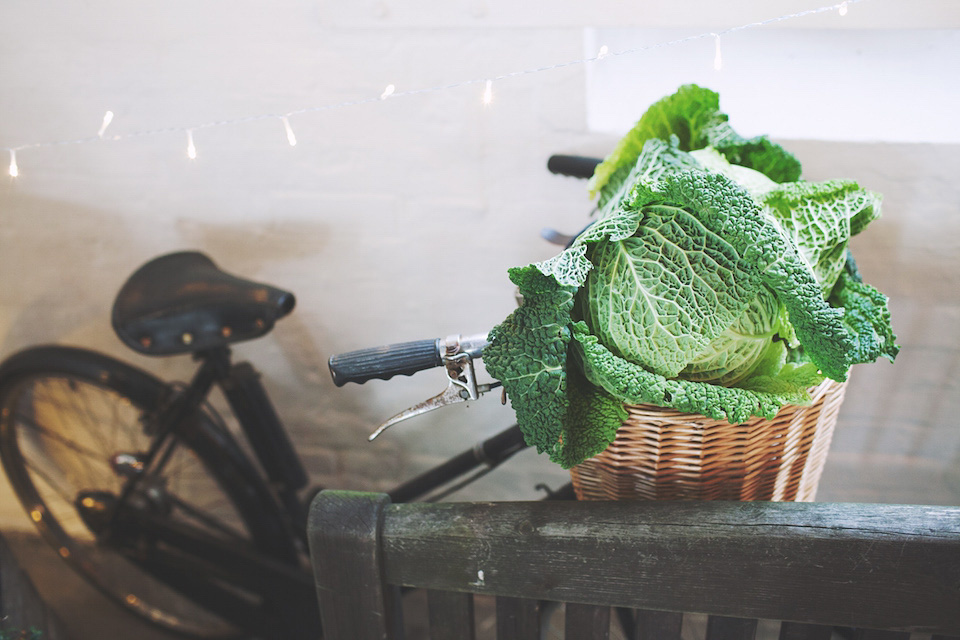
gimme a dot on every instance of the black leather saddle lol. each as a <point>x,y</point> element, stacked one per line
<point>182,303</point>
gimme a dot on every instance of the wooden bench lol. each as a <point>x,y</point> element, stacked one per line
<point>814,566</point>
<point>23,613</point>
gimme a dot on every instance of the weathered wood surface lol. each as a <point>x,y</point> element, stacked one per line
<point>874,566</point>
<point>888,566</point>
<point>353,597</point>
<point>21,608</point>
<point>800,631</point>
<point>586,621</point>
<point>518,619</point>
<point>724,628</point>
<point>450,615</point>
<point>664,625</point>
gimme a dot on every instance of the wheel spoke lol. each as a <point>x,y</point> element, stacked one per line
<point>206,519</point>
<point>57,488</point>
<point>100,456</point>
<point>64,428</point>
<point>62,396</point>
<point>91,424</point>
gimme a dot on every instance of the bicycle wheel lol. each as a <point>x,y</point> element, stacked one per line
<point>72,424</point>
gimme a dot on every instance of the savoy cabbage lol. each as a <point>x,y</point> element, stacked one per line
<point>713,281</point>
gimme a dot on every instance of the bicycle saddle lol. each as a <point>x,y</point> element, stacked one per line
<point>182,303</point>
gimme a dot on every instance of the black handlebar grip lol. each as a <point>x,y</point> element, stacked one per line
<point>405,358</point>
<point>576,166</point>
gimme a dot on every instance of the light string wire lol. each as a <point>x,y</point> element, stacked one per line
<point>391,93</point>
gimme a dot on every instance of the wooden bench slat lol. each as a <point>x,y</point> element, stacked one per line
<point>450,615</point>
<point>726,628</point>
<point>587,621</point>
<point>876,634</point>
<point>346,554</point>
<point>801,631</point>
<point>659,624</point>
<point>694,553</point>
<point>867,566</point>
<point>518,619</point>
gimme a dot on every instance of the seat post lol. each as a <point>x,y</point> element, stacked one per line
<point>214,367</point>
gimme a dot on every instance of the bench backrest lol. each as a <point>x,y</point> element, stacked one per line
<point>813,566</point>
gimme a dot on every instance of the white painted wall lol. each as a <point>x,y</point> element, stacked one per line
<point>397,220</point>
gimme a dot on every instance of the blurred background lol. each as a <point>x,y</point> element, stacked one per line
<point>397,219</point>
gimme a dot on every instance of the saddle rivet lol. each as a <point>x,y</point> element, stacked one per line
<point>226,332</point>
<point>260,324</point>
<point>145,342</point>
<point>187,338</point>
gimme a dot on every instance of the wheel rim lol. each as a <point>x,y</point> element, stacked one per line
<point>67,432</point>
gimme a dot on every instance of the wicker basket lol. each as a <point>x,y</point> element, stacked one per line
<point>663,454</point>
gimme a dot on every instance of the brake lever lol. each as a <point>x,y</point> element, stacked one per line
<point>457,357</point>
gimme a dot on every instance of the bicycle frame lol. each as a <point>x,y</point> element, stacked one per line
<point>226,577</point>
<point>187,558</point>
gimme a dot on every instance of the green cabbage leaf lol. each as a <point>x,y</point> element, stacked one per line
<point>712,282</point>
<point>693,116</point>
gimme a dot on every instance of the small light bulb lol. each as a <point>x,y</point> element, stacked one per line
<point>488,92</point>
<point>717,58</point>
<point>14,169</point>
<point>388,92</point>
<point>292,139</point>
<point>191,148</point>
<point>843,9</point>
<point>603,53</point>
<point>107,119</point>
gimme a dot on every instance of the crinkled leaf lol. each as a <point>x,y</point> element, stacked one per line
<point>760,241</point>
<point>759,336</point>
<point>658,298</point>
<point>701,267</point>
<point>693,115</point>
<point>591,424</point>
<point>759,153</point>
<point>756,183</point>
<point>684,114</point>
<point>528,354</point>
<point>867,316</point>
<point>569,267</point>
<point>820,218</point>
<point>818,326</point>
<point>689,271</point>
<point>695,263</point>
<point>657,159</point>
<point>557,410</point>
<point>633,384</point>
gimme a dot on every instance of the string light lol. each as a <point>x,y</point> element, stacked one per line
<point>292,139</point>
<point>107,119</point>
<point>191,148</point>
<point>717,57</point>
<point>488,92</point>
<point>390,90</point>
<point>14,169</point>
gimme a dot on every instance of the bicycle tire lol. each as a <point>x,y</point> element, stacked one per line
<point>59,386</point>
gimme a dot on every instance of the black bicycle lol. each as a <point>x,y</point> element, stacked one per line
<point>138,484</point>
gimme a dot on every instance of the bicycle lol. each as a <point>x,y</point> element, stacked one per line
<point>140,487</point>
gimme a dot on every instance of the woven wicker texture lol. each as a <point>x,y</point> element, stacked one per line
<point>663,454</point>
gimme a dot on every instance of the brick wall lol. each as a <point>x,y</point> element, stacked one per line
<point>393,220</point>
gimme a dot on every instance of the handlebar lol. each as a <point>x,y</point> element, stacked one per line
<point>403,358</point>
<point>407,358</point>
<point>574,166</point>
<point>454,353</point>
